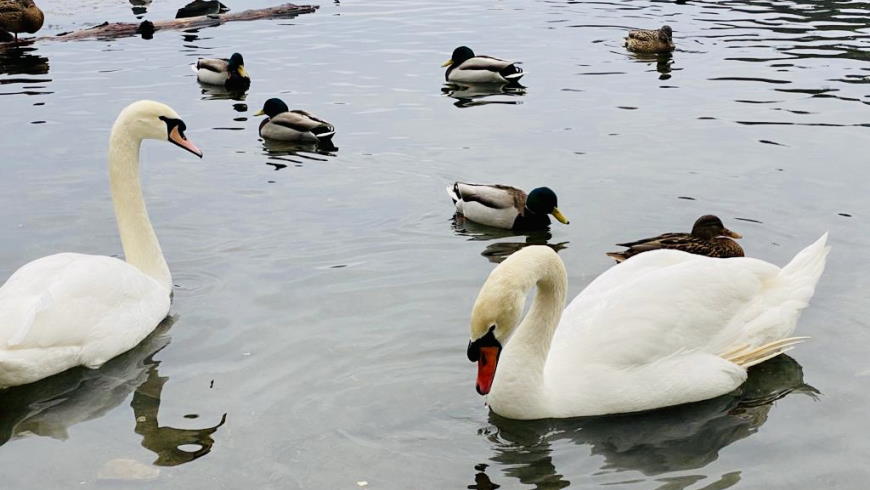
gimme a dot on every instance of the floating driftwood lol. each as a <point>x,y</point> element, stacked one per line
<point>126,29</point>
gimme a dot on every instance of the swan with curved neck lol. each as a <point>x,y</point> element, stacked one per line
<point>70,309</point>
<point>662,329</point>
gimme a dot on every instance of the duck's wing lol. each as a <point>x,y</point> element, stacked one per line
<point>216,65</point>
<point>491,195</point>
<point>303,122</point>
<point>644,34</point>
<point>507,69</point>
<point>665,237</point>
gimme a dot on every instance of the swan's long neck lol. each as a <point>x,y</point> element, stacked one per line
<point>141,248</point>
<point>519,378</point>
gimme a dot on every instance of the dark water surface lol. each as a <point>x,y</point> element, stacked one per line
<point>323,297</point>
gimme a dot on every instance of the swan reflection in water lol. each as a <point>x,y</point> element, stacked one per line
<point>672,439</point>
<point>498,251</point>
<point>482,94</point>
<point>282,154</point>
<point>50,407</point>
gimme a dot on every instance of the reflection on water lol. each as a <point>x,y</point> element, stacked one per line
<point>50,407</point>
<point>22,59</point>
<point>470,95</point>
<point>498,251</point>
<point>216,92</point>
<point>282,154</point>
<point>655,442</point>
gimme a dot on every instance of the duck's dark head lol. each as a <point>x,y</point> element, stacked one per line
<point>273,107</point>
<point>542,200</point>
<point>236,66</point>
<point>665,33</point>
<point>708,226</point>
<point>459,56</point>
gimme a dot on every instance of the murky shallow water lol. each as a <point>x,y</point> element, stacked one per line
<point>323,299</point>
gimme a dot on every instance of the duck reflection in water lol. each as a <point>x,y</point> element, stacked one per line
<point>51,406</point>
<point>23,59</point>
<point>498,251</point>
<point>679,438</point>
<point>216,92</point>
<point>482,94</point>
<point>282,154</point>
<point>663,61</point>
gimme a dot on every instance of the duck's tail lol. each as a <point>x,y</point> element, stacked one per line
<point>453,192</point>
<point>617,256</point>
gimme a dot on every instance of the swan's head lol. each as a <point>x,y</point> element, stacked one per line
<point>459,56</point>
<point>499,308</point>
<point>708,226</point>
<point>542,200</point>
<point>147,119</point>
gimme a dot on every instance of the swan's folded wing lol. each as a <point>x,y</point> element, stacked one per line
<point>94,304</point>
<point>663,302</point>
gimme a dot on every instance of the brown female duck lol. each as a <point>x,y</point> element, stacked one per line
<point>20,16</point>
<point>708,237</point>
<point>650,40</point>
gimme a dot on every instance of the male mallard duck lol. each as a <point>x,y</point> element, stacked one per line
<point>286,125</point>
<point>505,207</point>
<point>201,7</point>
<point>465,67</point>
<point>20,16</point>
<point>650,40</point>
<point>229,73</point>
<point>707,238</point>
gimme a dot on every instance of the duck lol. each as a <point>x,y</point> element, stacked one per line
<point>708,237</point>
<point>506,207</point>
<point>466,67</point>
<point>229,73</point>
<point>71,309</point>
<point>198,8</point>
<point>20,16</point>
<point>650,40</point>
<point>282,124</point>
<point>664,328</point>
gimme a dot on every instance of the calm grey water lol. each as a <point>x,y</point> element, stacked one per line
<point>322,299</point>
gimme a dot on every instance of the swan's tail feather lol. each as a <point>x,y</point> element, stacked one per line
<point>745,357</point>
<point>804,270</point>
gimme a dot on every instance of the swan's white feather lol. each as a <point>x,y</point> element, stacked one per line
<point>71,309</point>
<point>657,330</point>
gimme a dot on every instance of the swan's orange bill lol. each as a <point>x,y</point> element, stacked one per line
<point>178,138</point>
<point>486,368</point>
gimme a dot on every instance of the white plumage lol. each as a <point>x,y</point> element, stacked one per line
<point>70,309</point>
<point>664,328</point>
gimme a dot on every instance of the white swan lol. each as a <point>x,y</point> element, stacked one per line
<point>72,309</point>
<point>664,328</point>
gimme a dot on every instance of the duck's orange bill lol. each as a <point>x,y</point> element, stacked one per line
<point>486,368</point>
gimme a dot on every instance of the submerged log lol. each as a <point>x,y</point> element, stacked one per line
<point>126,29</point>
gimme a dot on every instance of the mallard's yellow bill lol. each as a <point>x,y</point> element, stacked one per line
<point>447,63</point>
<point>559,216</point>
<point>260,113</point>
<point>243,72</point>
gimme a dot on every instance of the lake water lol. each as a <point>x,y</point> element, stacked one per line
<point>322,299</point>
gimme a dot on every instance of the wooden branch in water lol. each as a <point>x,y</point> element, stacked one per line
<point>125,29</point>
